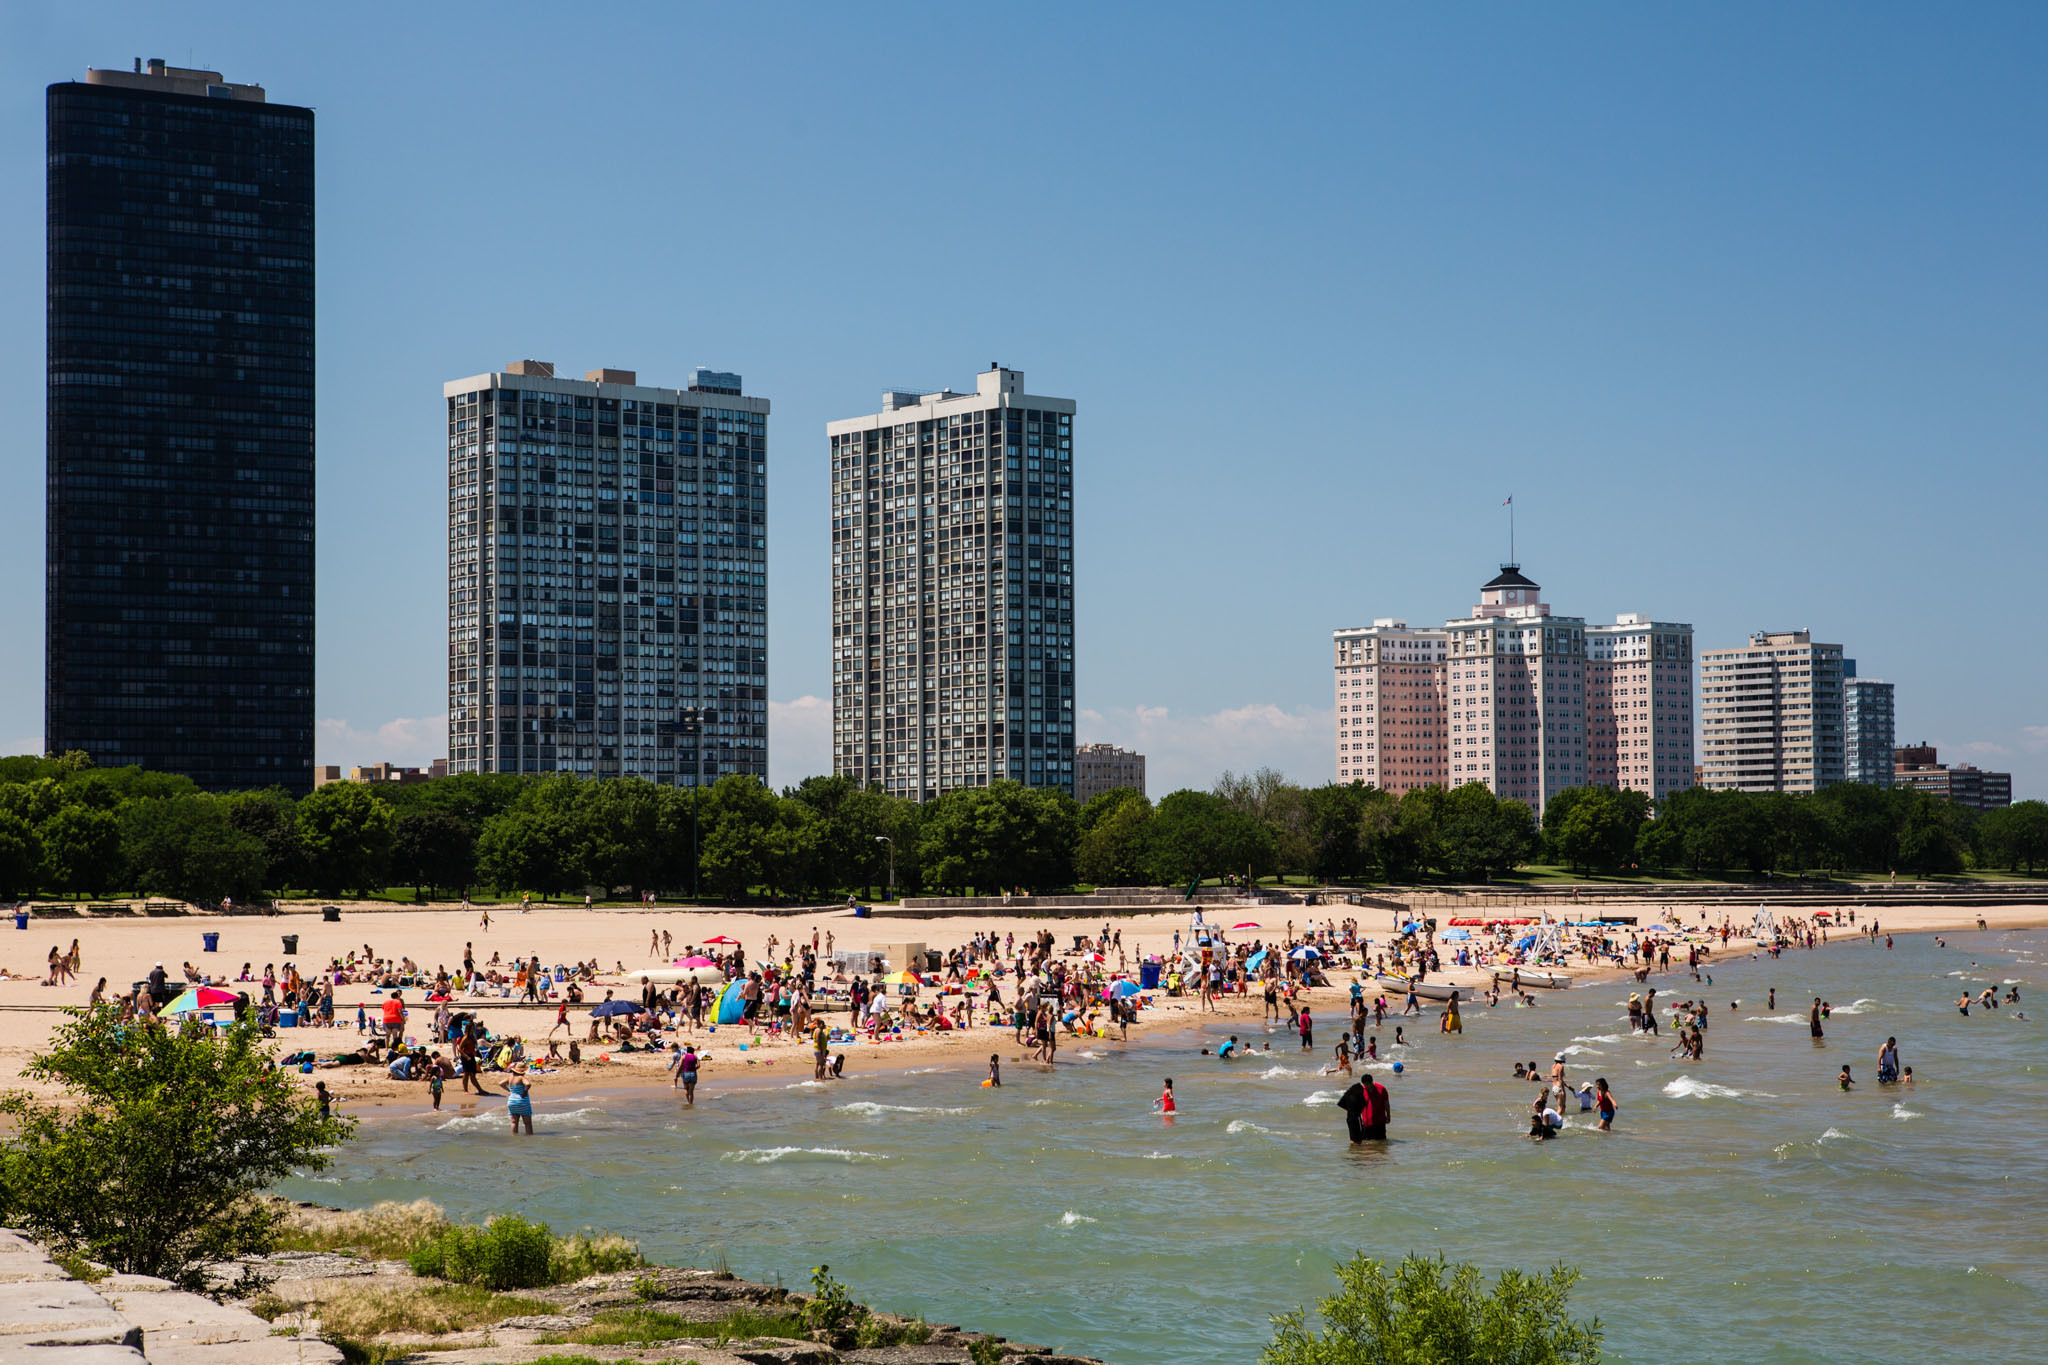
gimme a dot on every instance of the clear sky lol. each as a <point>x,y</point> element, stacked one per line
<point>1744,304</point>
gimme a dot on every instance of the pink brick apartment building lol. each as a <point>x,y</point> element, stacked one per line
<point>1517,697</point>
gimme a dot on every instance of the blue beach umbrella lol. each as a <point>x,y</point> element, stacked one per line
<point>1121,989</point>
<point>1252,963</point>
<point>1526,941</point>
<point>613,1007</point>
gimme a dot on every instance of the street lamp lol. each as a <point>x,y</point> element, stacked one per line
<point>885,839</point>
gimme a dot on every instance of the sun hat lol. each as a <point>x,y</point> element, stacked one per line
<point>1560,1057</point>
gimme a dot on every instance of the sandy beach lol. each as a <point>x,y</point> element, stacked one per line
<point>123,951</point>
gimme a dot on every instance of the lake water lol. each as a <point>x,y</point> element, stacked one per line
<point>1745,1208</point>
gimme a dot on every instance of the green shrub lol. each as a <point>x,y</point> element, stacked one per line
<point>830,1309</point>
<point>507,1253</point>
<point>588,1253</point>
<point>1426,1310</point>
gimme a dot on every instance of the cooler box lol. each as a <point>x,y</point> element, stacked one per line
<point>287,1018</point>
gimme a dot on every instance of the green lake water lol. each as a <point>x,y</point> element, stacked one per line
<point>1745,1208</point>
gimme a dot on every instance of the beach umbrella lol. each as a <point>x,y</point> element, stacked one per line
<point>1305,951</point>
<point>1453,935</point>
<point>1525,941</point>
<point>1410,927</point>
<point>721,939</point>
<point>611,1007</point>
<point>1119,989</point>
<point>905,979</point>
<point>1246,925</point>
<point>199,998</point>
<point>695,960</point>
<point>1252,963</point>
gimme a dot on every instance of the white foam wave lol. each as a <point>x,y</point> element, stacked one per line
<point>869,1109</point>
<point>1157,1156</point>
<point>1092,1054</point>
<point>1833,1135</point>
<point>1775,1019</point>
<point>761,1156</point>
<point>1854,1007</point>
<point>1575,1050</point>
<point>1602,1038</point>
<point>1687,1087</point>
<point>1900,1111</point>
<point>808,1085</point>
<point>1070,1219</point>
<point>471,1123</point>
<point>1324,1097</point>
<point>1245,1126</point>
<point>1275,1072</point>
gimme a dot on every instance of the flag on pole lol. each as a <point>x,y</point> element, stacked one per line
<point>1508,501</point>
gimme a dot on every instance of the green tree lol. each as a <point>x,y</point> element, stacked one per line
<point>21,855</point>
<point>270,817</point>
<point>1111,851</point>
<point>345,829</point>
<point>1481,834</point>
<point>1426,1312</point>
<point>184,846</point>
<point>81,850</point>
<point>431,848</point>
<point>1003,835</point>
<point>621,820</point>
<point>529,850</point>
<point>1588,827</point>
<point>152,1161</point>
<point>1197,834</point>
<point>2015,835</point>
<point>734,822</point>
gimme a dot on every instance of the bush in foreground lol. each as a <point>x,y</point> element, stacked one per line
<point>153,1162</point>
<point>510,1252</point>
<point>1427,1312</point>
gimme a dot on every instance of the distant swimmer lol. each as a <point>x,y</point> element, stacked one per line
<point>1229,1049</point>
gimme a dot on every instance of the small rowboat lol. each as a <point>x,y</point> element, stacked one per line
<point>1532,976</point>
<point>1425,990</point>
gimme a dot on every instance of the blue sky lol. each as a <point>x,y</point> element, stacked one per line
<point>1744,304</point>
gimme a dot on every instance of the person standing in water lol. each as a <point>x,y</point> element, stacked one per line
<point>1379,1109</point>
<point>1813,1018</point>
<point>1603,1099</point>
<point>1888,1062</point>
<point>1354,1104</point>
<point>519,1104</point>
<point>1164,1104</point>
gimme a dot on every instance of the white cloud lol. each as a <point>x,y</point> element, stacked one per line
<point>2036,738</point>
<point>409,741</point>
<point>1192,751</point>
<point>1985,747</point>
<point>24,746</point>
<point>799,740</point>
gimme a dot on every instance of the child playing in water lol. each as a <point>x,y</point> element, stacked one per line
<point>995,1069</point>
<point>1845,1080</point>
<point>1164,1104</point>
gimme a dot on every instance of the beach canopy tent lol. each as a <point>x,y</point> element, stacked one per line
<point>729,1007</point>
<point>199,998</point>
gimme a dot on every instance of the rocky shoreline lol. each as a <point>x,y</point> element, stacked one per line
<point>338,1308</point>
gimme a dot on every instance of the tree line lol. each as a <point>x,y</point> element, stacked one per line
<point>67,827</point>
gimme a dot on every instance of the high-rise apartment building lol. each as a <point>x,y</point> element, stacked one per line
<point>1100,768</point>
<point>1868,731</point>
<point>953,590</point>
<point>179,611</point>
<point>607,576</point>
<point>1771,714</point>
<point>1391,726</point>
<point>1639,712</point>
<point>1516,697</point>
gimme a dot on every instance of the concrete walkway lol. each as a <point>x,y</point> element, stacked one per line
<point>48,1318</point>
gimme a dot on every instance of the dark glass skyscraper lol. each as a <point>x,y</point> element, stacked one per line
<point>180,534</point>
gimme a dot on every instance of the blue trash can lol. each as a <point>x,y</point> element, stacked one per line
<point>212,942</point>
<point>1148,976</point>
<point>859,912</point>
